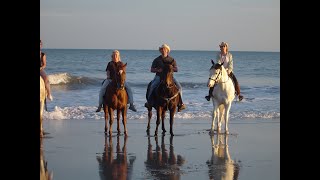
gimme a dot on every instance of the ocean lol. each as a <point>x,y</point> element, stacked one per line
<point>75,76</point>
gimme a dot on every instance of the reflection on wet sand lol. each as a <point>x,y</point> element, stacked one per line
<point>44,173</point>
<point>221,166</point>
<point>162,165</point>
<point>118,167</point>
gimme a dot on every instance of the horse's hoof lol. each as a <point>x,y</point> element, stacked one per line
<point>163,132</point>
<point>155,134</point>
<point>227,132</point>
<point>172,134</point>
<point>125,133</point>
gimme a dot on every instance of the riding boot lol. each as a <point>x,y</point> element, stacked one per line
<point>236,85</point>
<point>210,93</point>
<point>181,106</point>
<point>237,88</point>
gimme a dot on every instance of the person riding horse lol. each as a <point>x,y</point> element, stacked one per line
<point>110,74</point>
<point>225,57</point>
<point>157,67</point>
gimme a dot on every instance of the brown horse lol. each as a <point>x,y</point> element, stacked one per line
<point>115,167</point>
<point>166,97</point>
<point>116,98</point>
<point>162,163</point>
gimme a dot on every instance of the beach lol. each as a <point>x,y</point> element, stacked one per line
<point>78,149</point>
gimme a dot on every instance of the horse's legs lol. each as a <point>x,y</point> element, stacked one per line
<point>106,113</point>
<point>220,117</point>
<point>159,111</point>
<point>124,121</point>
<point>41,117</point>
<point>226,117</point>
<point>214,115</point>
<point>163,115</point>
<point>171,120</point>
<point>149,118</point>
<point>118,121</point>
<point>111,120</point>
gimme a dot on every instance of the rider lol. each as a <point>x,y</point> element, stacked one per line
<point>43,65</point>
<point>110,75</point>
<point>225,57</point>
<point>156,67</point>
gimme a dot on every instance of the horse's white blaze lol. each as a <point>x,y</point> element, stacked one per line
<point>223,95</point>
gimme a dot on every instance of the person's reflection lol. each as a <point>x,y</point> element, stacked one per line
<point>115,168</point>
<point>221,166</point>
<point>44,173</point>
<point>162,165</point>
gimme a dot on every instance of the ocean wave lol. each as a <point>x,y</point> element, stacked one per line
<point>68,79</point>
<point>85,112</point>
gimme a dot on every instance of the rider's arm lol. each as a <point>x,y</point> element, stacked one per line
<point>155,70</point>
<point>44,62</point>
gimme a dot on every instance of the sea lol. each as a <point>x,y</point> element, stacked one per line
<point>76,75</point>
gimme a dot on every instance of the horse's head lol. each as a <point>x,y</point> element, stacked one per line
<point>216,72</point>
<point>120,75</point>
<point>167,75</point>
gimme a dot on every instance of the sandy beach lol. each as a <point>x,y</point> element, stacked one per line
<point>79,149</point>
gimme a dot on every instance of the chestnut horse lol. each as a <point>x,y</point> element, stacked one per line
<point>166,97</point>
<point>116,98</point>
<point>119,167</point>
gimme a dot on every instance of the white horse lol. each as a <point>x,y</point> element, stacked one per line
<point>43,95</point>
<point>221,166</point>
<point>222,95</point>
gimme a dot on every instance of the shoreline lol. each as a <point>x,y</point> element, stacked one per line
<point>76,149</point>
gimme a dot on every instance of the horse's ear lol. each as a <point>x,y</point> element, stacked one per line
<point>222,63</point>
<point>125,65</point>
<point>212,62</point>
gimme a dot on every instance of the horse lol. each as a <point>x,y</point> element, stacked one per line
<point>115,168</point>
<point>44,173</point>
<point>166,97</point>
<point>162,163</point>
<point>223,95</point>
<point>43,95</point>
<point>220,165</point>
<point>116,98</point>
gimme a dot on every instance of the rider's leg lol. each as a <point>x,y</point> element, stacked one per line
<point>210,93</point>
<point>236,85</point>
<point>154,83</point>
<point>130,97</point>
<point>47,84</point>
<point>101,93</point>
<point>181,106</point>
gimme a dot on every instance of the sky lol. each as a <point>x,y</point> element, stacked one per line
<point>247,25</point>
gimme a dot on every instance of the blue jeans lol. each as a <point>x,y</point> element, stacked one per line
<point>104,88</point>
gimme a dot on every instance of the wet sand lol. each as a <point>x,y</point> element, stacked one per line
<point>79,149</point>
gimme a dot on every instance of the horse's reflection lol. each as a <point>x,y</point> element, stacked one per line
<point>44,173</point>
<point>162,165</point>
<point>221,166</point>
<point>115,168</point>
